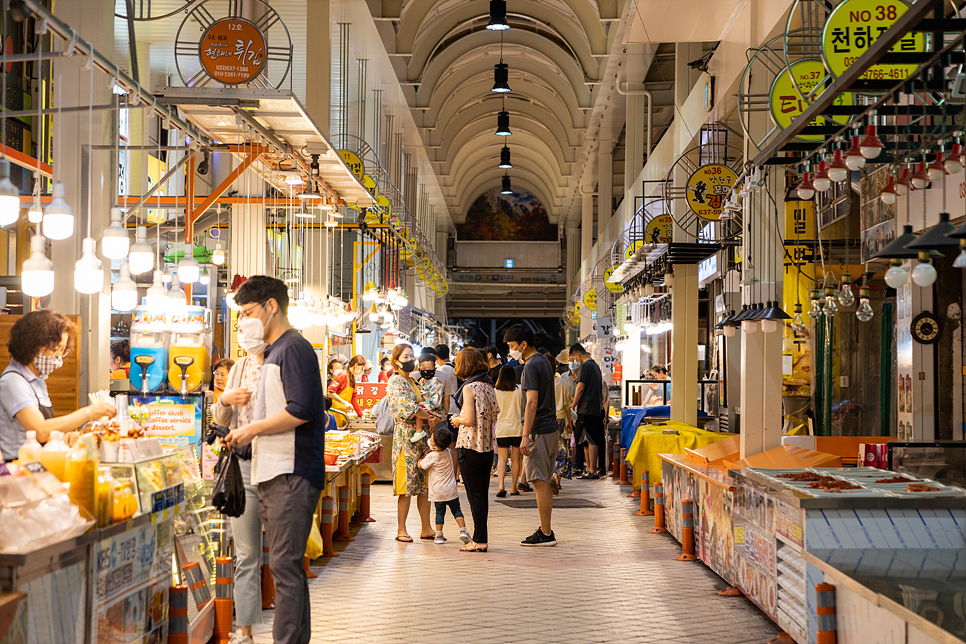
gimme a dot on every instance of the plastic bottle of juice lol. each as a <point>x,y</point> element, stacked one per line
<point>53,455</point>
<point>81,475</point>
<point>104,497</point>
<point>30,451</point>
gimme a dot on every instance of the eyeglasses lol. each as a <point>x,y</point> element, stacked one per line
<point>63,354</point>
<point>248,313</point>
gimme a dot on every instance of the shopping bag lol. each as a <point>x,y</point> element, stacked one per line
<point>228,493</point>
<point>313,549</point>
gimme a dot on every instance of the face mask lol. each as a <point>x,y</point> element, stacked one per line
<point>427,373</point>
<point>46,365</point>
<point>388,367</point>
<point>409,366</point>
<point>516,355</point>
<point>574,365</point>
<point>251,334</point>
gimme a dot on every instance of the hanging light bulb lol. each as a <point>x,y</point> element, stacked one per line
<point>218,256</point>
<point>506,189</point>
<point>749,326</point>
<point>370,294</point>
<point>889,195</point>
<point>805,189</point>
<point>798,322</point>
<point>920,179</point>
<point>36,214</point>
<point>870,146</point>
<point>115,241</point>
<point>503,123</point>
<point>401,299</point>
<point>924,274</point>
<point>205,279</point>
<point>501,78</point>
<point>88,270</point>
<point>124,296</point>
<point>189,270</point>
<point>141,256</point>
<point>9,196</point>
<point>837,170</point>
<point>498,16</point>
<point>37,276</point>
<point>822,182</point>
<point>896,276</point>
<point>864,312</point>
<point>960,261</point>
<point>166,278</point>
<point>953,163</point>
<point>936,170</point>
<point>831,307</point>
<point>156,299</point>
<point>854,160</point>
<point>902,183</point>
<point>176,294</point>
<point>817,304</point>
<point>505,159</point>
<point>846,297</point>
<point>58,216</point>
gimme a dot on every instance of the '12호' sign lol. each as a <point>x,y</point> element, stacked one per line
<point>232,51</point>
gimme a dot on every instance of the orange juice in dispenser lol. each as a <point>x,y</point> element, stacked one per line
<point>189,344</point>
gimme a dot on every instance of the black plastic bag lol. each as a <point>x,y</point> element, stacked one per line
<point>228,496</point>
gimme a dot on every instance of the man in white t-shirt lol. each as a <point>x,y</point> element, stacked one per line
<point>445,371</point>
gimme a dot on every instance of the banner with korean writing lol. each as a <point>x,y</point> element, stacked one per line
<point>368,394</point>
<point>799,272</point>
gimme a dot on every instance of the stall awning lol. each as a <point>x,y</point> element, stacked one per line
<point>226,114</point>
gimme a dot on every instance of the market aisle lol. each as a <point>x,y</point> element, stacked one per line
<point>608,580</point>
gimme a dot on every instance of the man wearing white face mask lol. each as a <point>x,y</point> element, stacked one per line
<point>288,454</point>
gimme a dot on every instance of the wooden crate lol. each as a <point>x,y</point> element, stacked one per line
<point>64,384</point>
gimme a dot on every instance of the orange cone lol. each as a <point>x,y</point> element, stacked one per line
<point>364,501</point>
<point>224,610</point>
<point>268,584</point>
<point>825,611</point>
<point>178,615</point>
<point>659,527</point>
<point>645,510</point>
<point>687,532</point>
<point>343,533</point>
<point>623,468</point>
<point>326,528</point>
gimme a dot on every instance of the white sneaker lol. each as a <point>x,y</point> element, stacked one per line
<point>465,536</point>
<point>439,538</point>
<point>238,638</point>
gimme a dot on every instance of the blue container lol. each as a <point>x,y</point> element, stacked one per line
<point>155,360</point>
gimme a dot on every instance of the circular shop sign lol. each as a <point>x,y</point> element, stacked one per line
<point>232,51</point>
<point>354,162</point>
<point>613,288</point>
<point>660,230</point>
<point>590,299</point>
<point>852,28</point>
<point>785,102</point>
<point>707,188</point>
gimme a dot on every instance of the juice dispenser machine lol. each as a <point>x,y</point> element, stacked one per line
<point>149,352</point>
<point>189,348</point>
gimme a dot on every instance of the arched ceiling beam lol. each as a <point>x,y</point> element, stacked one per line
<point>525,129</point>
<point>528,150</point>
<point>581,23</point>
<point>546,176</point>
<point>452,47</point>
<point>494,180</point>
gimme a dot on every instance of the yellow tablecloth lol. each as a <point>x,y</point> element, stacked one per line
<point>648,443</point>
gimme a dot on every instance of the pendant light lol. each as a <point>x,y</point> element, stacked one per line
<point>837,170</point>
<point>506,185</point>
<point>854,160</point>
<point>503,123</point>
<point>822,182</point>
<point>817,304</point>
<point>864,312</point>
<point>9,196</point>
<point>205,279</point>
<point>88,270</point>
<point>896,251</point>
<point>124,296</point>
<point>798,322</point>
<point>773,317</point>
<point>218,257</point>
<point>115,240</point>
<point>937,169</point>
<point>498,16</point>
<point>936,238</point>
<point>845,296</point>
<point>501,78</point>
<point>920,179</point>
<point>36,214</point>
<point>953,163</point>
<point>176,294</point>
<point>505,159</point>
<point>805,189</point>
<point>902,183</point>
<point>156,298</point>
<point>189,270</point>
<point>870,146</point>
<point>831,307</point>
<point>141,256</point>
<point>58,216</point>
<point>312,194</point>
<point>889,195</point>
<point>37,276</point>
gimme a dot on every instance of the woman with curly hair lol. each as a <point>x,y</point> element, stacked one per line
<point>39,341</point>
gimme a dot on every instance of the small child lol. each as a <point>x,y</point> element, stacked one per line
<point>439,466</point>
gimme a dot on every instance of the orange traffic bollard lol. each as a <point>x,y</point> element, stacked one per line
<point>196,583</point>
<point>687,532</point>
<point>825,611</point>
<point>326,527</point>
<point>364,502</point>
<point>224,611</point>
<point>343,532</point>
<point>615,467</point>
<point>178,615</point>
<point>623,468</point>
<point>268,584</point>
<point>659,527</point>
<point>645,510</point>
<point>609,458</point>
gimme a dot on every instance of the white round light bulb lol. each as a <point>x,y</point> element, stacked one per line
<point>924,274</point>
<point>896,277</point>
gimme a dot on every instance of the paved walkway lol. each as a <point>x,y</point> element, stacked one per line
<point>607,581</point>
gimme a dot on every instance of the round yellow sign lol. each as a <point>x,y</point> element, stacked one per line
<point>613,288</point>
<point>232,51</point>
<point>370,185</point>
<point>707,188</point>
<point>590,299</point>
<point>633,248</point>
<point>660,230</point>
<point>354,162</point>
<point>852,28</point>
<point>786,103</point>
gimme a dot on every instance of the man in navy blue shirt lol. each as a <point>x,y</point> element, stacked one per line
<point>288,447</point>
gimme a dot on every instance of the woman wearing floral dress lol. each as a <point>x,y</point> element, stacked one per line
<point>405,398</point>
<point>477,437</point>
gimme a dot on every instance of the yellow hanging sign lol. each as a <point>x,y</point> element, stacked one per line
<point>660,230</point>
<point>613,288</point>
<point>852,28</point>
<point>370,185</point>
<point>707,188</point>
<point>633,248</point>
<point>354,162</point>
<point>590,299</point>
<point>786,103</point>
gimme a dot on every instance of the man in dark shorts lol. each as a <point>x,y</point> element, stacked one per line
<point>589,405</point>
<point>541,437</point>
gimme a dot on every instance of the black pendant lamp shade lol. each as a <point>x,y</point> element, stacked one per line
<point>742,315</point>
<point>936,237</point>
<point>506,185</point>
<point>501,78</point>
<point>896,249</point>
<point>725,320</point>
<point>774,312</point>
<point>498,16</point>
<point>754,313</point>
<point>503,124</point>
<point>505,158</point>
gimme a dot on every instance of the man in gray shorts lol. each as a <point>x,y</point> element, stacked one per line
<point>541,436</point>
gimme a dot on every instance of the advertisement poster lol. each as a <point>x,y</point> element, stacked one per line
<point>133,572</point>
<point>368,394</point>
<point>877,219</point>
<point>754,546</point>
<point>175,421</point>
<point>715,536</point>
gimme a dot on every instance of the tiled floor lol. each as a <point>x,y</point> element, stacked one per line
<point>608,580</point>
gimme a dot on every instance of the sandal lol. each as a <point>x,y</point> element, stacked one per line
<point>501,494</point>
<point>515,493</point>
<point>404,538</point>
<point>429,538</point>
<point>524,487</point>
<point>472,547</point>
